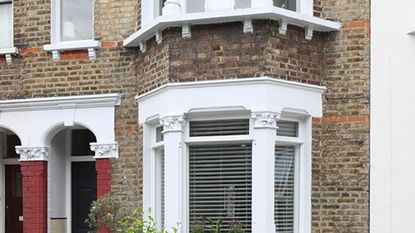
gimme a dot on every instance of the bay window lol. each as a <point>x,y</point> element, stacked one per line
<point>236,158</point>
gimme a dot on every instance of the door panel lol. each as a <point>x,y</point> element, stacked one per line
<point>14,200</point>
<point>84,192</point>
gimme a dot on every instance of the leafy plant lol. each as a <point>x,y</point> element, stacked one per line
<point>236,229</point>
<point>198,229</point>
<point>215,225</point>
<point>105,215</point>
<point>137,223</point>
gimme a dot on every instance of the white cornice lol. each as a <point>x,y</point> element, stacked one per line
<point>231,82</point>
<point>274,13</point>
<point>86,101</point>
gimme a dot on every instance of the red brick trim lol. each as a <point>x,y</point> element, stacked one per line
<point>34,175</point>
<point>358,24</point>
<point>74,55</point>
<point>103,168</point>
<point>342,119</point>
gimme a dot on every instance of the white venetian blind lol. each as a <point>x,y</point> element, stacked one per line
<point>219,128</point>
<point>6,24</point>
<point>162,217</point>
<point>287,128</point>
<point>284,188</point>
<point>220,184</point>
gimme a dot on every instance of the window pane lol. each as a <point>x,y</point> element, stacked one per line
<point>219,128</point>
<point>287,128</point>
<point>286,4</point>
<point>80,142</point>
<point>77,20</point>
<point>12,141</point>
<point>239,4</point>
<point>195,6</point>
<point>220,184</point>
<point>6,25</point>
<point>159,134</point>
<point>284,188</point>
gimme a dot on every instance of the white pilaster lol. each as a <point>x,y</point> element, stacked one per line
<point>263,160</point>
<point>173,147</point>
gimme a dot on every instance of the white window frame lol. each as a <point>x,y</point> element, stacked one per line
<point>190,141</point>
<point>57,45</point>
<point>156,147</point>
<point>8,52</point>
<point>302,156</point>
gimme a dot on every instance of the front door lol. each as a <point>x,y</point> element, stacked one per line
<point>14,201</point>
<point>84,192</point>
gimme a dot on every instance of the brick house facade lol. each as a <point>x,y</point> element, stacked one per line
<point>337,60</point>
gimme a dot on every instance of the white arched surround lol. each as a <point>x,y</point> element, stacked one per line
<point>37,120</point>
<point>263,101</point>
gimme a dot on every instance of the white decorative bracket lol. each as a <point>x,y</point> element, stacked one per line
<point>248,27</point>
<point>143,46</point>
<point>282,27</point>
<point>92,54</point>
<point>159,37</point>
<point>32,153</point>
<point>265,119</point>
<point>172,123</point>
<point>8,52</point>
<point>55,55</point>
<point>411,30</point>
<point>309,32</point>
<point>8,59</point>
<point>186,32</point>
<point>105,150</point>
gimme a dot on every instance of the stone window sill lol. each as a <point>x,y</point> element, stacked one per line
<point>411,30</point>
<point>8,52</point>
<point>56,48</point>
<point>285,17</point>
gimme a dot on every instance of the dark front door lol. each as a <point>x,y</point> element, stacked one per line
<point>14,201</point>
<point>84,191</point>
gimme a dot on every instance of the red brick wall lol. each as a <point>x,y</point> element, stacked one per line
<point>34,175</point>
<point>103,168</point>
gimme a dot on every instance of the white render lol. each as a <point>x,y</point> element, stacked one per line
<point>263,100</point>
<point>392,132</point>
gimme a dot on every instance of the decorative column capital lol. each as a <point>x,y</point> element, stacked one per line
<point>172,123</point>
<point>105,150</point>
<point>265,119</point>
<point>32,153</point>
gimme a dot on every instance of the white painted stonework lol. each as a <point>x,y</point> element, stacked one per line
<point>263,101</point>
<point>36,121</point>
<point>392,132</point>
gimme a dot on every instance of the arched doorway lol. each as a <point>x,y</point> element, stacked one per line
<point>11,180</point>
<point>72,179</point>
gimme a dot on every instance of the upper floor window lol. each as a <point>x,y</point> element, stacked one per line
<point>76,20</point>
<point>286,4</point>
<point>6,24</point>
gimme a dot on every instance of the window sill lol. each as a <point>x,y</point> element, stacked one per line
<point>8,52</point>
<point>285,17</point>
<point>411,30</point>
<point>56,48</point>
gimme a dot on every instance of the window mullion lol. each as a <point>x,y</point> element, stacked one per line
<point>263,160</point>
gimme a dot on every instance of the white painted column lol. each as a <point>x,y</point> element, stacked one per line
<point>173,170</point>
<point>262,3</point>
<point>263,162</point>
